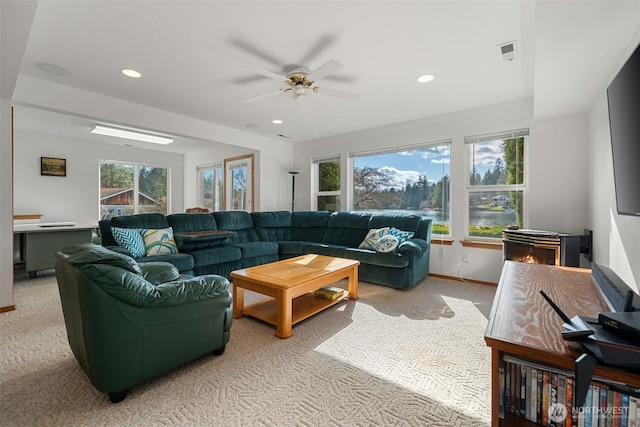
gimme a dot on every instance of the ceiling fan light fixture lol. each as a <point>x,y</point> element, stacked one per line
<point>131,134</point>
<point>276,121</point>
<point>425,78</point>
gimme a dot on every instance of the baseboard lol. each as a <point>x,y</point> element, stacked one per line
<point>7,308</point>
<point>459,279</point>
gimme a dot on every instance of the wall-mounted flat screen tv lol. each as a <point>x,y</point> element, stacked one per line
<point>623,95</point>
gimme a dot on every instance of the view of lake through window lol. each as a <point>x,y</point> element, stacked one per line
<point>410,180</point>
<point>495,187</point>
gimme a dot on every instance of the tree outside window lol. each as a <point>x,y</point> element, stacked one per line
<point>127,189</point>
<point>496,183</point>
<point>415,179</point>
<point>328,184</point>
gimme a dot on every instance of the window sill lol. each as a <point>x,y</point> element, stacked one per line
<point>443,241</point>
<point>482,244</point>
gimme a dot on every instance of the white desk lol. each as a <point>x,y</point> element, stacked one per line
<point>36,245</point>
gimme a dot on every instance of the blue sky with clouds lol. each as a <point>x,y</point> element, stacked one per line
<point>408,166</point>
<point>433,162</point>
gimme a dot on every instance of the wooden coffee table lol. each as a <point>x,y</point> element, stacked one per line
<point>290,284</point>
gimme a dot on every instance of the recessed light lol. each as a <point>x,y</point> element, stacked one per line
<point>131,73</point>
<point>425,78</point>
<point>276,121</point>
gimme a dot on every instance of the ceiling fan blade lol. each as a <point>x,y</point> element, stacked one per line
<point>326,69</point>
<point>347,96</point>
<point>252,50</point>
<point>267,73</point>
<point>320,46</point>
<point>263,96</point>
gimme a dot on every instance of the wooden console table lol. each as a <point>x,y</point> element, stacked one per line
<point>523,324</point>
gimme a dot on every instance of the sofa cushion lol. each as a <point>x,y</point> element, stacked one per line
<point>239,221</point>
<point>272,226</point>
<point>309,226</point>
<point>148,220</point>
<point>159,272</point>
<point>323,249</point>
<point>159,241</point>
<point>129,239</point>
<point>399,220</point>
<point>392,259</point>
<point>183,262</point>
<point>346,228</point>
<point>257,249</point>
<point>217,255</point>
<point>372,238</point>
<point>185,222</point>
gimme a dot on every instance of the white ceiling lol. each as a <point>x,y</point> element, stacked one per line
<point>192,55</point>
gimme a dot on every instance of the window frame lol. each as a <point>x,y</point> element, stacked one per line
<point>136,183</point>
<point>448,143</point>
<point>216,168</point>
<point>469,141</point>
<point>315,178</point>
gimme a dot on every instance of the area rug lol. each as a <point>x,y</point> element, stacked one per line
<point>392,358</point>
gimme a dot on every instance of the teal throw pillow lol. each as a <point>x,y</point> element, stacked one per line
<point>159,241</point>
<point>129,239</point>
<point>402,236</point>
<point>372,237</point>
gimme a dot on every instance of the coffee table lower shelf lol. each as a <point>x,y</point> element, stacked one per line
<point>303,307</point>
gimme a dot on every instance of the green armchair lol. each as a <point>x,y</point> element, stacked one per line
<point>129,322</point>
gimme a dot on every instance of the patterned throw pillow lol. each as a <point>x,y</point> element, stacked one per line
<point>402,236</point>
<point>388,243</point>
<point>129,239</point>
<point>372,237</point>
<point>159,241</point>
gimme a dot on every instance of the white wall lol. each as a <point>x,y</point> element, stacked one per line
<point>551,207</point>
<point>76,196</point>
<point>6,201</point>
<point>271,163</point>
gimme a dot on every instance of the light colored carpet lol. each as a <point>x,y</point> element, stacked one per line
<point>393,358</point>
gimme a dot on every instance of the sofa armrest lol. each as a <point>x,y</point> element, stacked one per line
<point>135,290</point>
<point>414,246</point>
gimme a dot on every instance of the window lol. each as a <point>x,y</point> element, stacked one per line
<point>496,182</point>
<point>327,184</point>
<point>412,178</point>
<point>129,188</point>
<point>210,179</point>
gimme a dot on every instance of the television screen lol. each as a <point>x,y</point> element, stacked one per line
<point>623,95</point>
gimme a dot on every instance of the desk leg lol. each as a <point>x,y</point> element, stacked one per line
<point>353,283</point>
<point>284,315</point>
<point>238,299</point>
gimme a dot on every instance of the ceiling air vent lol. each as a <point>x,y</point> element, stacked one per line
<point>507,51</point>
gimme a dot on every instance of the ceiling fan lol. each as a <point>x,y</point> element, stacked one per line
<point>300,81</point>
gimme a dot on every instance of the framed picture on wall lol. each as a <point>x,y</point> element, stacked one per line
<point>53,167</point>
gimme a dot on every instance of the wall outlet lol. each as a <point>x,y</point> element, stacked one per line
<point>465,258</point>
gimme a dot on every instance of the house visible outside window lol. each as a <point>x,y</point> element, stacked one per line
<point>130,188</point>
<point>327,183</point>
<point>209,187</point>
<point>496,182</point>
<point>414,178</point>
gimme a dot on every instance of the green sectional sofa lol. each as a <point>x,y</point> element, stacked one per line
<point>393,247</point>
